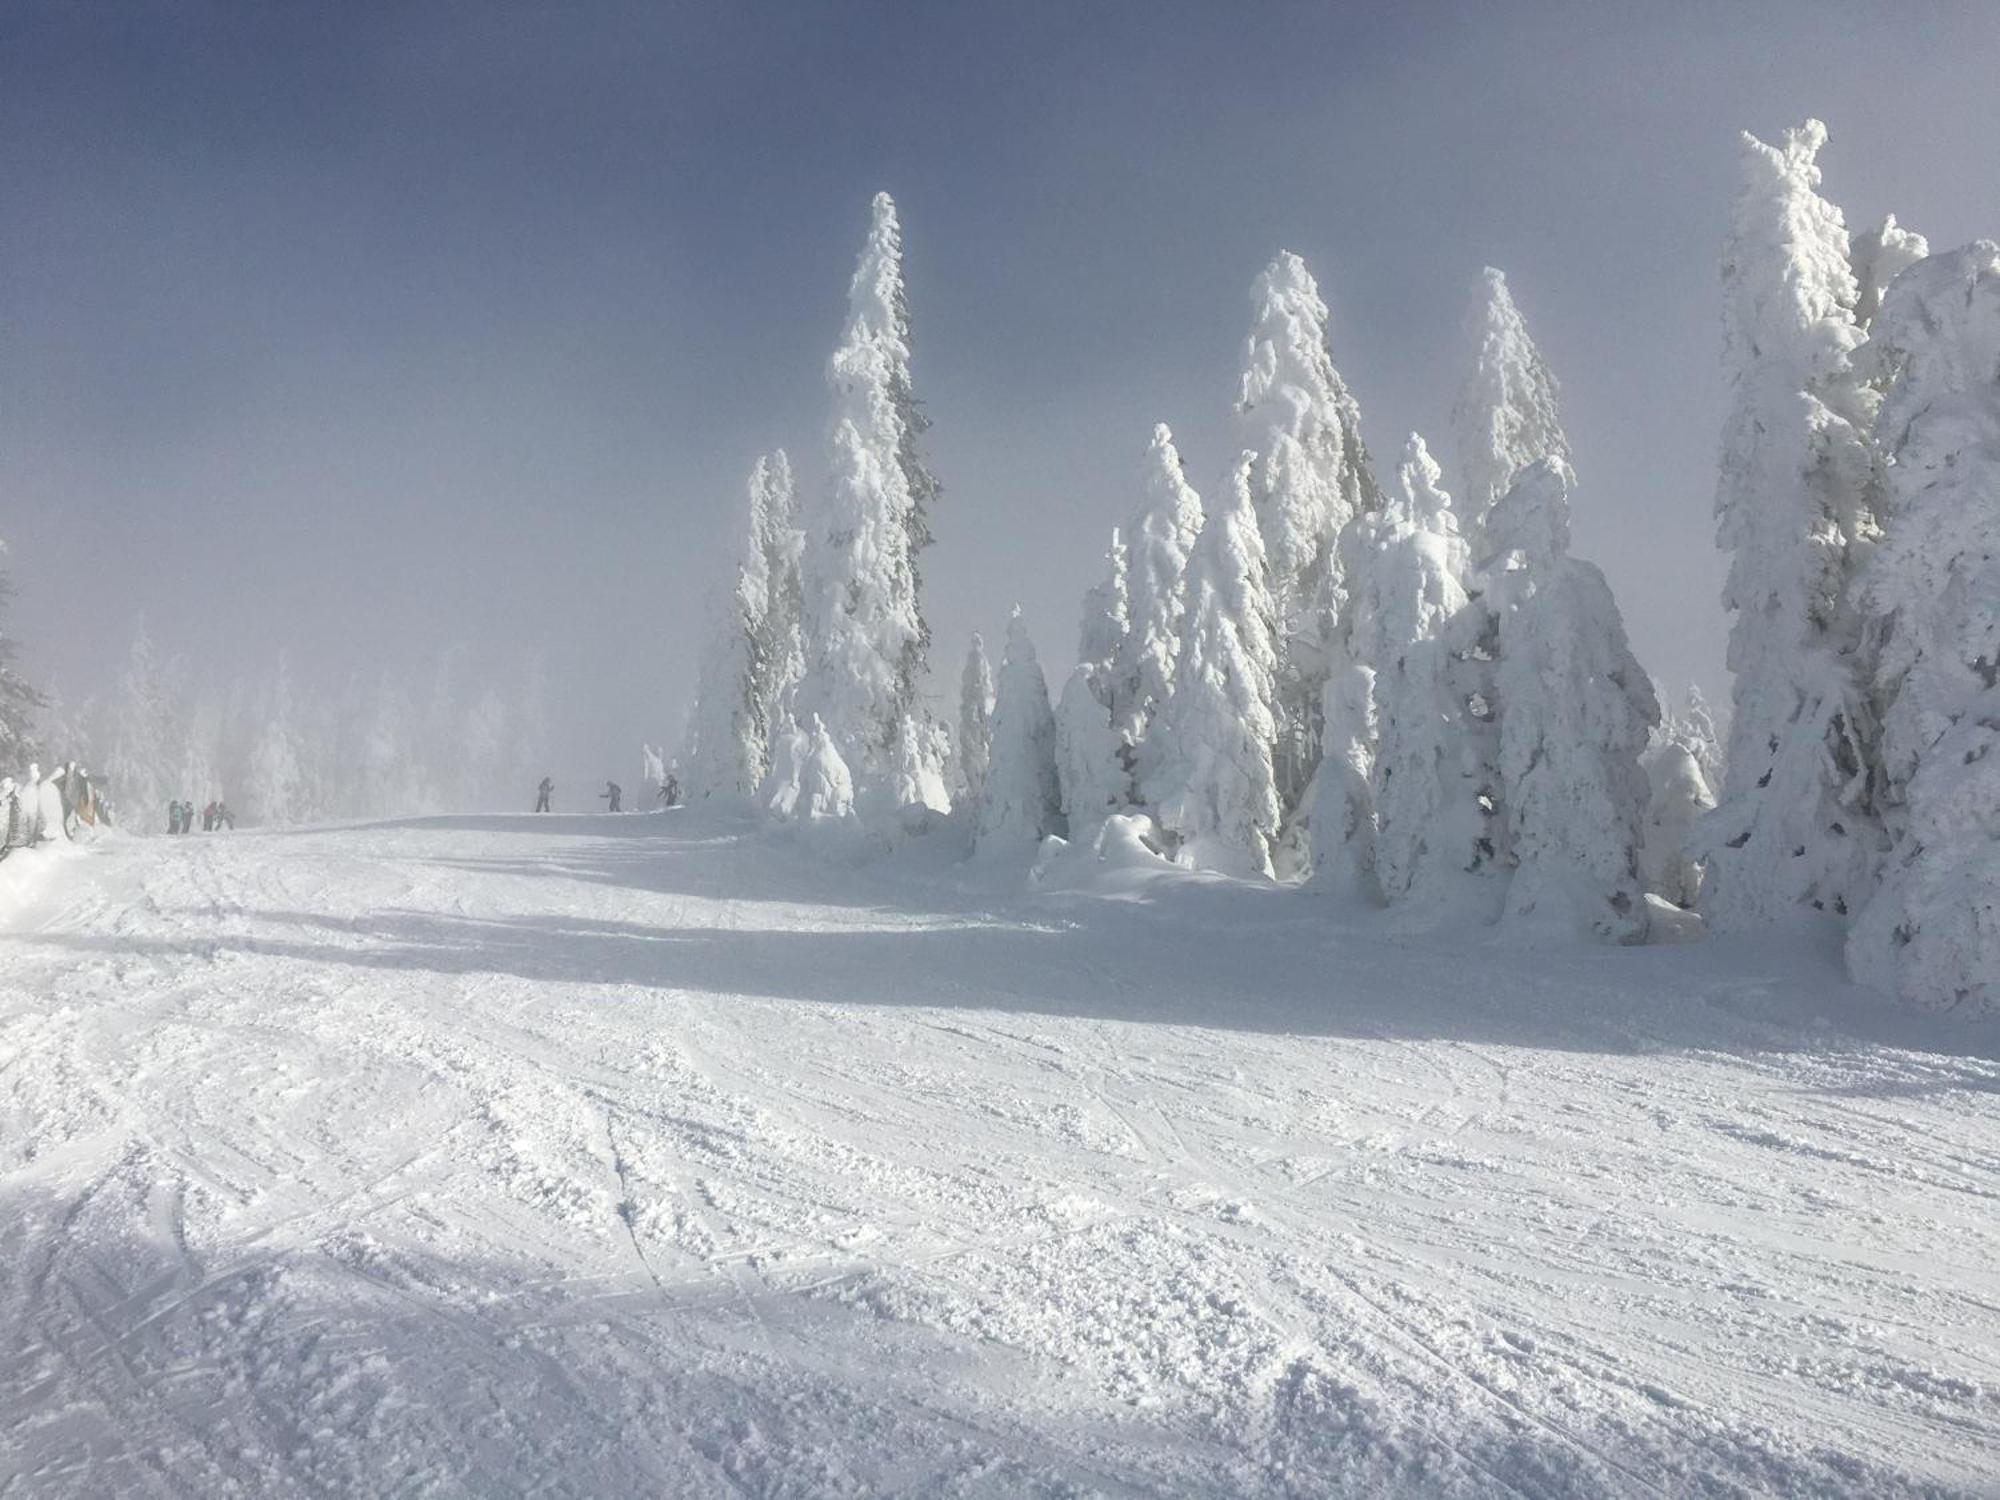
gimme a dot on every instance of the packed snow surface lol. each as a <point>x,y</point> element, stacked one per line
<point>654,1155</point>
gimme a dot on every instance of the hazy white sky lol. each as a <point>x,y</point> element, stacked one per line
<point>369,329</point>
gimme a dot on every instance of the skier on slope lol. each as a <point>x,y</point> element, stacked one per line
<point>542,794</point>
<point>611,793</point>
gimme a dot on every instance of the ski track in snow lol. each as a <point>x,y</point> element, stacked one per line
<point>606,1156</point>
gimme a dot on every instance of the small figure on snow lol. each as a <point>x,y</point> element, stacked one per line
<point>670,791</point>
<point>174,816</point>
<point>612,792</point>
<point>542,794</point>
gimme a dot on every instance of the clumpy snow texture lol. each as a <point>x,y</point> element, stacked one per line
<point>635,1156</point>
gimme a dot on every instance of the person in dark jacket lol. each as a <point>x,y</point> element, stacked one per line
<point>542,794</point>
<point>612,792</point>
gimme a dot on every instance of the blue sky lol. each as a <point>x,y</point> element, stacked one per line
<point>365,329</point>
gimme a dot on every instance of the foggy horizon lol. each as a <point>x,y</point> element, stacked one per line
<point>361,335</point>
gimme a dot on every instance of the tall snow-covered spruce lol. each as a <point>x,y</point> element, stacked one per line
<point>1931,591</point>
<point>1213,784</point>
<point>1021,802</point>
<point>1158,545</point>
<point>1796,826</point>
<point>1408,594</point>
<point>1506,415</point>
<point>755,652</point>
<point>1575,712</point>
<point>975,720</point>
<point>867,636</point>
<point>1310,478</point>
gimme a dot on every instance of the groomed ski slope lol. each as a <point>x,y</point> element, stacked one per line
<point>647,1155</point>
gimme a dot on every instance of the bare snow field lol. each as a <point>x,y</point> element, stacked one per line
<point>594,1156</point>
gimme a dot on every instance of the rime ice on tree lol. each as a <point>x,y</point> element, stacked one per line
<point>1796,825</point>
<point>1309,479</point>
<point>1213,784</point>
<point>868,638</point>
<point>1932,593</point>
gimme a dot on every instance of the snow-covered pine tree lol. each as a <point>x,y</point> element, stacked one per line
<point>19,702</point>
<point>1694,729</point>
<point>729,730</point>
<point>1796,825</point>
<point>275,792</point>
<point>1106,622</point>
<point>385,764</point>
<point>1213,784</point>
<point>1678,797</point>
<point>780,542</point>
<point>483,754</point>
<point>1093,789</point>
<point>1931,591</point>
<point>1311,478</point>
<point>138,767</point>
<point>65,732</point>
<point>1407,592</point>
<point>975,721</point>
<point>1021,803</point>
<point>1158,545</point>
<point>1575,711</point>
<point>867,633</point>
<point>1089,769</point>
<point>1506,415</point>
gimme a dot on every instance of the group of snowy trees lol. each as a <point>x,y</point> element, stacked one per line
<point>810,691</point>
<point>1416,693</point>
<point>20,703</point>
<point>1860,500</point>
<point>1317,673</point>
<point>281,754</point>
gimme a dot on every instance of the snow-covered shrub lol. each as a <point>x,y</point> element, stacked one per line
<point>809,781</point>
